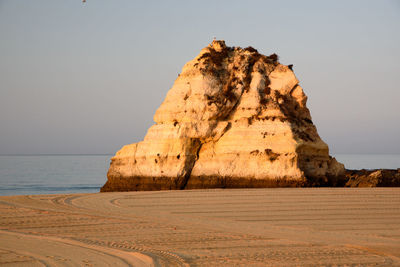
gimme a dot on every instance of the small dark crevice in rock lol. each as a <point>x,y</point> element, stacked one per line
<point>254,152</point>
<point>272,155</point>
<point>274,57</point>
<point>294,88</point>
<point>264,101</point>
<point>264,134</point>
<point>198,152</point>
<point>308,120</point>
<point>266,92</point>
<point>251,49</point>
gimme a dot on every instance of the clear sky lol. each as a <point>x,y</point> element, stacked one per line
<point>87,78</point>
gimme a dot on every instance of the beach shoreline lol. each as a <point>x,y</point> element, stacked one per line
<point>268,227</point>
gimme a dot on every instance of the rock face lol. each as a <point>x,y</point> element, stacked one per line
<point>372,178</point>
<point>233,118</point>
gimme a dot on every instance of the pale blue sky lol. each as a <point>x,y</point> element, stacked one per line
<point>87,78</point>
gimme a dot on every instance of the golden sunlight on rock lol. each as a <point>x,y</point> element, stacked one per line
<point>233,118</point>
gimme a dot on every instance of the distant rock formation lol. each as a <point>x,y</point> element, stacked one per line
<point>233,118</point>
<point>372,178</point>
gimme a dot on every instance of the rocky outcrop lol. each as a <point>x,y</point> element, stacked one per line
<point>233,118</point>
<point>372,178</point>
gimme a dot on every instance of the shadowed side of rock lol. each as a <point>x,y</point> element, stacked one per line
<point>352,178</point>
<point>166,183</point>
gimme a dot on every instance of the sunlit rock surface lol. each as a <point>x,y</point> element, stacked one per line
<point>233,118</point>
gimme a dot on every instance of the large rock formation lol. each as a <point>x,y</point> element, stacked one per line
<point>233,118</point>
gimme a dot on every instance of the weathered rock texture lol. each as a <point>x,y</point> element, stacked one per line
<point>372,178</point>
<point>233,118</point>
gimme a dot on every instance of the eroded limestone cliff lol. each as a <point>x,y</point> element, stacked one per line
<point>233,118</point>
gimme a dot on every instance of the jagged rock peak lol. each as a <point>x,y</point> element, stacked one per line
<point>233,118</point>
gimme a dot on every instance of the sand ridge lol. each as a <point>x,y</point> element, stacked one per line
<point>257,227</point>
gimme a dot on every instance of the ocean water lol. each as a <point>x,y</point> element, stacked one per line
<point>53,174</point>
<point>369,161</point>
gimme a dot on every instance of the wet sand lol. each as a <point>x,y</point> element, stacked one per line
<point>257,227</point>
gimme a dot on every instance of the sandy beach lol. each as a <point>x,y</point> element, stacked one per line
<point>257,227</point>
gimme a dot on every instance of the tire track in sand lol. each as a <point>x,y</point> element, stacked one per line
<point>54,251</point>
<point>163,255</point>
<point>77,205</point>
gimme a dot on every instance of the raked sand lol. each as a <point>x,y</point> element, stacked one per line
<point>257,227</point>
